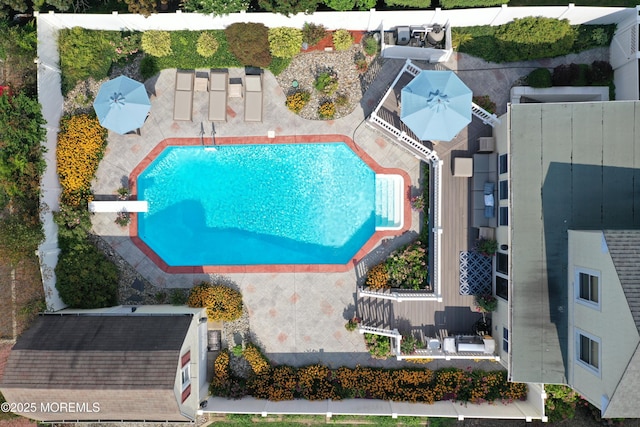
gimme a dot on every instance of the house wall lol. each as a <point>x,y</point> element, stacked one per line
<point>623,57</point>
<point>197,350</point>
<point>500,318</point>
<point>613,323</point>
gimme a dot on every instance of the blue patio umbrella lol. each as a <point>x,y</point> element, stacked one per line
<point>122,104</point>
<point>436,105</point>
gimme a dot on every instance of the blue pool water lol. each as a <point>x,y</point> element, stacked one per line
<point>257,204</point>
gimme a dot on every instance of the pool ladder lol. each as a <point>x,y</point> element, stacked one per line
<point>212,147</point>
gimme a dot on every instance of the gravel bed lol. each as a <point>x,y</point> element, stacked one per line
<point>305,67</point>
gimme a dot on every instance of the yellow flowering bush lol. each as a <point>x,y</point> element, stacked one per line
<point>221,374</point>
<point>81,145</point>
<point>221,302</point>
<point>297,100</point>
<point>259,364</point>
<point>378,278</point>
<point>327,110</point>
<point>342,40</point>
<point>318,382</point>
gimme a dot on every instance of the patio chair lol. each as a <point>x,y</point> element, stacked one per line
<point>183,101</point>
<point>253,98</point>
<point>218,96</point>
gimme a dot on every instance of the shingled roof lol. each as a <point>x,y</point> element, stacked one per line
<point>111,359</point>
<point>624,247</point>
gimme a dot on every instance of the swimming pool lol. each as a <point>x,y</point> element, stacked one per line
<point>257,204</point>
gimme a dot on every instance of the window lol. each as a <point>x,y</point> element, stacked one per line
<point>186,376</point>
<point>505,340</point>
<point>502,287</point>
<point>504,215</point>
<point>587,287</point>
<point>502,263</point>
<point>503,190</point>
<point>502,163</point>
<point>588,351</point>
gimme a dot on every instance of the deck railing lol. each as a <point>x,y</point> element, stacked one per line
<point>391,333</point>
<point>398,296</point>
<point>439,354</point>
<point>486,117</point>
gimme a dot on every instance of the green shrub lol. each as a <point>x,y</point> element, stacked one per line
<point>326,82</point>
<point>285,42</point>
<point>184,52</point>
<point>485,102</point>
<point>591,36</point>
<point>289,7</point>
<point>207,44</point>
<point>278,65</point>
<point>156,43</point>
<point>450,4</point>
<point>379,347</point>
<point>342,40</point>
<point>487,247</point>
<point>600,73</point>
<point>313,33</point>
<point>421,4</point>
<point>21,155</point>
<point>178,296</point>
<point>561,402</point>
<point>534,38</point>
<point>407,267</point>
<point>540,77</point>
<point>74,224</point>
<point>86,279</point>
<point>249,43</point>
<point>370,45</point>
<point>216,7</point>
<point>148,67</point>
<point>570,75</point>
<point>18,239</point>
<point>84,54</point>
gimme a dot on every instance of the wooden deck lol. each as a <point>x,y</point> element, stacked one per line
<point>456,313</point>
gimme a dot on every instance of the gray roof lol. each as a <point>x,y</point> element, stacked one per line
<point>116,360</point>
<point>624,247</point>
<point>571,166</point>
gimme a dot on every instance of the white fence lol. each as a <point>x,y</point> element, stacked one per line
<point>363,21</point>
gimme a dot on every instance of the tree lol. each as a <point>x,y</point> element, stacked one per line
<point>143,7</point>
<point>289,7</point>
<point>21,153</point>
<point>216,7</point>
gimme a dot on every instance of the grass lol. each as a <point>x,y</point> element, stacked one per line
<point>313,420</point>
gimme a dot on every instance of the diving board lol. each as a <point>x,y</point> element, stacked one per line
<point>119,206</point>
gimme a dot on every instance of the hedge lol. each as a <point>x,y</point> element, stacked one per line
<point>451,4</point>
<point>184,52</point>
<point>318,382</point>
<point>249,43</point>
<point>483,41</point>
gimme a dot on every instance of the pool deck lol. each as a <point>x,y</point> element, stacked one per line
<point>298,317</point>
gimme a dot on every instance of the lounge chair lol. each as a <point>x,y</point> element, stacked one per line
<point>253,98</point>
<point>183,102</point>
<point>218,96</point>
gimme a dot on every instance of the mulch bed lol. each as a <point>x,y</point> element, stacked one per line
<point>327,41</point>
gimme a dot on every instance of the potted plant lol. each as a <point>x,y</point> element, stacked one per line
<point>352,324</point>
<point>417,203</point>
<point>485,304</point>
<point>487,247</point>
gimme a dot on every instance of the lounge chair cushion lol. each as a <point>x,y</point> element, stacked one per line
<point>217,105</point>
<point>218,81</point>
<point>253,98</point>
<point>183,105</point>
